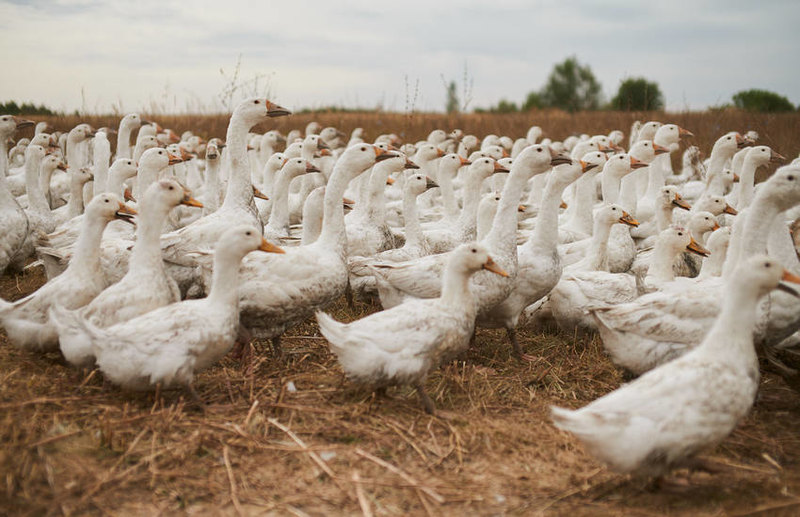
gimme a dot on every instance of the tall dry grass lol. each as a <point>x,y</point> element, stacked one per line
<point>779,131</point>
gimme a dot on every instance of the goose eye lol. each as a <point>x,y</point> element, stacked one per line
<point>680,234</point>
<point>614,209</point>
<point>249,232</point>
<point>363,148</point>
<point>790,178</point>
<point>766,264</point>
<point>171,187</point>
<point>539,150</point>
<point>474,250</point>
<point>106,200</point>
<point>255,102</point>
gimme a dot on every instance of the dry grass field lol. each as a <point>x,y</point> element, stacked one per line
<point>294,438</point>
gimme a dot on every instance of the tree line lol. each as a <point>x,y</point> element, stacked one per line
<point>572,86</point>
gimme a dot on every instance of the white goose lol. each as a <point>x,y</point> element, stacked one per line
<point>145,287</point>
<point>13,219</point>
<point>277,227</point>
<point>668,415</point>
<point>143,353</point>
<point>26,321</point>
<point>402,344</point>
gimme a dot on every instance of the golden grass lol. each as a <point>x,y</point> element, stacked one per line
<point>74,446</point>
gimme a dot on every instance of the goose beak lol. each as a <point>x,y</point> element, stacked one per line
<point>439,153</point>
<point>637,164</point>
<point>310,167</point>
<point>322,145</point>
<point>788,276</point>
<point>586,166</point>
<point>627,219</point>
<point>324,152</point>
<point>429,183</point>
<point>521,208</point>
<point>348,201</point>
<point>740,141</point>
<point>174,160</point>
<point>128,195</point>
<point>22,123</point>
<point>715,227</point>
<point>61,166</point>
<point>125,213</point>
<point>464,161</point>
<point>736,178</point>
<point>499,168</point>
<point>659,149</point>
<point>694,247</point>
<point>604,149</point>
<point>558,159</point>
<point>273,110</point>
<point>389,180</point>
<point>681,203</point>
<point>250,147</point>
<point>145,122</point>
<point>730,210</point>
<point>260,195</point>
<point>410,165</point>
<point>490,265</point>
<point>617,148</point>
<point>563,205</point>
<point>188,200</point>
<point>683,133</point>
<point>381,155</point>
<point>776,158</point>
<point>269,247</point>
<point>505,154</point>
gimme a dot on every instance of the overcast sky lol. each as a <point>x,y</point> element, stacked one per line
<point>86,54</point>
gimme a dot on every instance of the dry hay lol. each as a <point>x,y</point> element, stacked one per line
<point>295,438</point>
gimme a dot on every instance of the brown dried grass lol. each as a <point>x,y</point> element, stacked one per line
<point>74,446</point>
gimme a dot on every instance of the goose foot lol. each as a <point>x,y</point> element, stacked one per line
<point>518,353</point>
<point>196,401</point>
<point>427,403</point>
<point>673,485</point>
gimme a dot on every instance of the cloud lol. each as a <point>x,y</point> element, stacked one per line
<point>82,53</point>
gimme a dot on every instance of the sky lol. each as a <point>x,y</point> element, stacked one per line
<point>174,56</point>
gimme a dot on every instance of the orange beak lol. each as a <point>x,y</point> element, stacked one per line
<point>464,161</point>
<point>659,149</point>
<point>260,195</point>
<point>637,164</point>
<point>439,152</point>
<point>389,180</point>
<point>730,210</point>
<point>499,168</point>
<point>269,247</point>
<point>628,219</point>
<point>684,132</point>
<point>490,265</point>
<point>681,203</point>
<point>563,205</point>
<point>273,110</point>
<point>188,200</point>
<point>695,247</point>
<point>125,213</point>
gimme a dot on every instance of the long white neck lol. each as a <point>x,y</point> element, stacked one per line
<point>116,183</point>
<point>87,247</point>
<point>582,218</point>
<point>279,213</point>
<point>712,265</point>
<point>413,230</point>
<point>74,155</point>
<point>225,280</point>
<point>468,220</point>
<point>268,178</point>
<point>718,159</point>
<point>661,263</point>
<point>45,175</point>
<point>146,255</point>
<point>747,179</point>
<point>211,187</point>
<point>455,287</point>
<point>503,234</point>
<point>545,233</point>
<point>333,233</point>
<point>655,176</point>
<point>75,203</point>
<point>609,184</point>
<point>627,196</point>
<point>598,248</point>
<point>36,200</point>
<point>663,216</point>
<point>730,339</point>
<point>102,157</point>
<point>124,140</point>
<point>240,191</point>
<point>147,175</point>
<point>445,181</point>
<point>7,199</point>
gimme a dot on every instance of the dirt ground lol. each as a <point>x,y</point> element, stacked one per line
<point>291,438</point>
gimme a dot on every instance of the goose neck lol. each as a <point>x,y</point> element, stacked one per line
<point>225,279</point>
<point>504,227</point>
<point>661,263</point>
<point>211,187</point>
<point>467,220</point>
<point>75,203</point>
<point>279,213</point>
<point>36,199</point>
<point>87,247</point>
<point>455,287</point>
<point>240,190</point>
<point>333,231</point>
<point>598,247</point>
<point>731,336</point>
<point>449,202</point>
<point>582,217</point>
<point>545,233</point>
<point>413,229</point>
<point>146,253</point>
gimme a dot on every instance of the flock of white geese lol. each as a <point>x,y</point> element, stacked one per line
<point>682,273</point>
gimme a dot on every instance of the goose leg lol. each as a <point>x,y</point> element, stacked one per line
<point>427,403</point>
<point>277,351</point>
<point>195,397</point>
<point>512,337</point>
<point>348,295</point>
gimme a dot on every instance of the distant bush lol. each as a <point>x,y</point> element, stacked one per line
<point>532,101</point>
<point>26,108</point>
<point>572,87</point>
<point>638,94</point>
<point>762,100</point>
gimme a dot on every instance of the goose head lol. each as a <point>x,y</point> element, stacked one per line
<point>212,152</point>
<point>470,142</point>
<point>167,193</point>
<point>417,183</point>
<point>495,151</point>
<point>727,144</point>
<point>450,163</point>
<point>294,149</point>
<point>677,238</point>
<point>648,130</point>
<point>146,141</point>
<point>533,134</point>
<point>10,124</point>
<point>716,205</point>
<point>762,155</point>
<point>456,135</point>
<point>761,274</point>
<point>669,135</point>
<point>583,147</point>
<point>539,158</point>
<point>621,164</point>
<point>312,128</point>
<point>506,143</point>
<point>332,137</point>
<point>240,240</point>
<point>596,161</point>
<point>616,136</point>
<point>80,133</point>
<point>255,110</point>
<point>643,150</point>
<point>156,159</point>
<point>437,136</point>
<point>107,207</point>
<point>358,158</point>
<point>35,153</point>
<point>504,163</point>
<point>482,168</point>
<point>670,198</point>
<point>426,153</point>
<point>273,138</point>
<point>782,188</point>
<point>124,167</point>
<point>613,214</point>
<point>703,222</point>
<point>313,144</point>
<point>50,163</point>
<point>472,257</point>
<point>294,167</point>
<point>79,177</point>
<point>605,144</point>
<point>132,121</point>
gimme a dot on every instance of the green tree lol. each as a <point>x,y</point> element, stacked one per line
<point>451,106</point>
<point>637,93</point>
<point>761,100</point>
<point>532,101</point>
<point>572,87</point>
<point>505,106</point>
